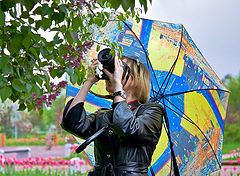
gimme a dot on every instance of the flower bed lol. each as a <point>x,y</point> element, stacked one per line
<point>43,166</point>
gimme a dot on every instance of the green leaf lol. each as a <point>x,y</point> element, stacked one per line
<point>98,48</point>
<point>98,21</point>
<point>38,10</point>
<point>101,3</point>
<point>28,87</point>
<point>30,107</point>
<point>125,4</point>
<point>59,17</point>
<point>29,4</point>
<point>133,13</point>
<point>36,89</point>
<point>3,81</point>
<point>56,39</point>
<point>38,79</point>
<point>46,10</point>
<point>137,19</point>
<point>10,47</point>
<point>56,72</point>
<point>34,52</point>
<point>27,41</point>
<point>5,92</point>
<point>70,71</point>
<point>18,85</point>
<point>2,18</point>
<point>64,8</point>
<point>74,78</point>
<point>44,52</point>
<point>16,43</point>
<point>106,14</point>
<point>7,69</point>
<point>31,21</point>
<point>25,14</point>
<point>115,4</point>
<point>119,55</point>
<point>144,4</point>
<point>74,36</point>
<point>69,38</point>
<point>76,23</point>
<point>104,23</point>
<point>112,51</point>
<point>38,24</point>
<point>46,23</point>
<point>22,107</point>
<point>3,61</point>
<point>120,48</point>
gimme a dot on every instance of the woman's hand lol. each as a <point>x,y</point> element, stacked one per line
<point>116,77</point>
<point>92,78</point>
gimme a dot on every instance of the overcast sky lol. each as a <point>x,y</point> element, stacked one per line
<point>214,25</point>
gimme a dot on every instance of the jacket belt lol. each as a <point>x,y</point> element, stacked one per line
<point>109,169</point>
<point>131,167</point>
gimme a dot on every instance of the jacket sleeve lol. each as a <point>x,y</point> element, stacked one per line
<point>77,122</point>
<point>145,128</point>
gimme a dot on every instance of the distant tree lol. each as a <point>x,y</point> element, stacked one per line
<point>233,84</point>
<point>232,123</point>
<point>7,118</point>
<point>28,59</point>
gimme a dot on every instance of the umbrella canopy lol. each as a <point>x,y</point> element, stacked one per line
<point>193,96</point>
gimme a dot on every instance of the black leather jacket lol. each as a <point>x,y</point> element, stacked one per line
<point>126,148</point>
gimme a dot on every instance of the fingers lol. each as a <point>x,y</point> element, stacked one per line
<point>95,63</point>
<point>107,73</point>
<point>117,62</point>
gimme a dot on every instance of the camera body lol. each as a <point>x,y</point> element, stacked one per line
<point>107,60</point>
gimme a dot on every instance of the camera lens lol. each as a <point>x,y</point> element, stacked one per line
<point>107,60</point>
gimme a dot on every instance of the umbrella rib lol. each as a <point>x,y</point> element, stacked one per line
<point>174,64</point>
<point>197,128</point>
<point>173,156</point>
<point>148,60</point>
<point>189,120</point>
<point>179,93</point>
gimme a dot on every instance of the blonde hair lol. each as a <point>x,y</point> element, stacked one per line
<point>141,79</point>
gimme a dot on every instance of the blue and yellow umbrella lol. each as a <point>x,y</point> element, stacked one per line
<point>183,82</point>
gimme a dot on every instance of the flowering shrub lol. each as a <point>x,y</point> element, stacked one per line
<point>29,59</point>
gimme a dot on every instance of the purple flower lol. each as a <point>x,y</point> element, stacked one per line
<point>34,95</point>
<point>43,97</point>
<point>49,103</point>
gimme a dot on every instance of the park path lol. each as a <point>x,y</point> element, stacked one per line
<point>56,151</point>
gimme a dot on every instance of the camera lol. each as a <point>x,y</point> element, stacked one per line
<point>107,60</point>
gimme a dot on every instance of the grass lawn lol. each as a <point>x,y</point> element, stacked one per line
<point>227,147</point>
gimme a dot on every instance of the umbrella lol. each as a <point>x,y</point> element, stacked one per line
<point>183,82</point>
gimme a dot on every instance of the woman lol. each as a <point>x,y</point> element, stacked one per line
<point>126,148</point>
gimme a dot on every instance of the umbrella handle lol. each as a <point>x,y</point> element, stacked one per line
<point>90,139</point>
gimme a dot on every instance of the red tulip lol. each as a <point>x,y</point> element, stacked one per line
<point>81,162</point>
